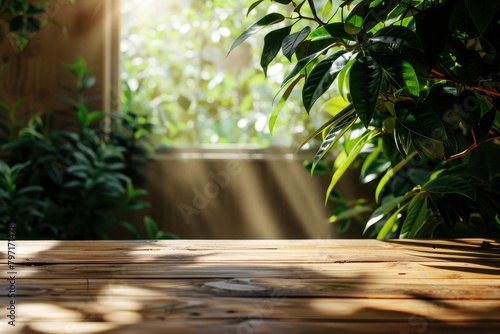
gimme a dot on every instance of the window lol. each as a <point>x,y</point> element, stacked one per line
<point>175,69</point>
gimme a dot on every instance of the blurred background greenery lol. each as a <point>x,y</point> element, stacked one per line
<point>176,71</point>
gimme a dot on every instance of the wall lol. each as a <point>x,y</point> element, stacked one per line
<point>213,194</point>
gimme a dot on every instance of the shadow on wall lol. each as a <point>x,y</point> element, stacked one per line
<point>242,195</point>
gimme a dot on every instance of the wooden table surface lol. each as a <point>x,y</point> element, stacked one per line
<point>250,286</point>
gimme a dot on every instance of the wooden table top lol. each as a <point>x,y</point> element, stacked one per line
<point>252,286</point>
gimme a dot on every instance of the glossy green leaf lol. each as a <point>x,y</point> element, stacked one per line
<point>322,76</point>
<point>389,224</point>
<point>397,36</point>
<point>354,21</point>
<point>358,145</point>
<point>309,47</point>
<point>384,209</point>
<point>336,132</point>
<point>365,78</point>
<point>415,216</point>
<point>301,64</point>
<point>482,12</point>
<point>272,45</point>
<point>387,177</point>
<point>253,6</point>
<point>420,119</point>
<point>337,29</point>
<point>484,163</point>
<point>343,84</point>
<point>292,41</point>
<point>401,74</point>
<point>267,20</point>
<point>378,12</point>
<point>338,117</point>
<point>432,148</point>
<point>450,184</point>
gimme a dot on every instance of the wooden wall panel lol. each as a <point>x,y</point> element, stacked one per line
<point>37,72</point>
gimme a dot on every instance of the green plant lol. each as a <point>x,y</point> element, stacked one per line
<point>412,92</point>
<point>25,19</point>
<point>85,177</point>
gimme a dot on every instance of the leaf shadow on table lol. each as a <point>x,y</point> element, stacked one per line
<point>190,291</point>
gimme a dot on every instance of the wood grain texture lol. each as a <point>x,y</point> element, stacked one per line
<point>256,286</point>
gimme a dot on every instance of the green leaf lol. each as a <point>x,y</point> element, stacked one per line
<point>482,12</point>
<point>95,115</point>
<point>450,184</point>
<point>420,119</point>
<point>415,216</point>
<point>384,209</point>
<point>389,223</point>
<point>337,30</point>
<point>254,5</point>
<point>279,106</point>
<point>365,79</point>
<point>272,45</point>
<point>401,74</point>
<point>301,64</point>
<point>322,76</point>
<point>358,145</point>
<point>390,174</point>
<point>397,36</point>
<point>354,21</point>
<point>151,227</point>
<point>338,117</point>
<point>432,148</point>
<point>379,10</point>
<point>336,132</point>
<point>291,42</point>
<point>484,163</point>
<point>267,20</point>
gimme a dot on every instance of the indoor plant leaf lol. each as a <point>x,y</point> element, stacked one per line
<point>272,45</point>
<point>322,76</point>
<point>397,36</point>
<point>358,145</point>
<point>292,41</point>
<point>420,119</point>
<point>365,78</point>
<point>267,20</point>
<point>450,184</point>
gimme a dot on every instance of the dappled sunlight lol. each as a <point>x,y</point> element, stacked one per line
<point>157,286</point>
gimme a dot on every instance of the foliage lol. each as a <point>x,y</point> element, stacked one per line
<point>176,68</point>
<point>412,92</point>
<point>73,184</point>
<point>24,19</point>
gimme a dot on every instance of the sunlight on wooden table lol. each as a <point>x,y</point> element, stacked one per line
<point>255,286</point>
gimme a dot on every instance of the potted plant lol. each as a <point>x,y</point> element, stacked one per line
<point>412,92</point>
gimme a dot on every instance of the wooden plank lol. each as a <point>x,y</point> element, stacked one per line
<point>412,326</point>
<point>249,251</point>
<point>265,287</point>
<point>150,307</point>
<point>354,271</point>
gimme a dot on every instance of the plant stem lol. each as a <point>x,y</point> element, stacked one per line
<point>470,148</point>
